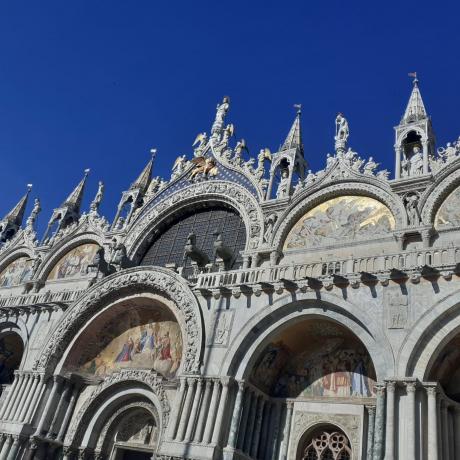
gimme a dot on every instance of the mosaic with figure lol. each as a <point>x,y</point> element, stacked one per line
<point>132,339</point>
<point>17,272</point>
<point>345,218</point>
<point>449,212</point>
<point>74,263</point>
<point>315,359</point>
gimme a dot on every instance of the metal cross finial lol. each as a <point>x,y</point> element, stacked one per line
<point>29,187</point>
<point>299,108</point>
<point>153,152</point>
<point>414,76</point>
<point>87,170</point>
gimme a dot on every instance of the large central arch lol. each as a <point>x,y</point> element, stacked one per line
<point>132,281</point>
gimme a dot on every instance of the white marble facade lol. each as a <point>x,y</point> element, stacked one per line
<point>319,319</point>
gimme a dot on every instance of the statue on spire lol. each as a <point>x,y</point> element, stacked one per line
<point>342,132</point>
<point>221,112</point>
<point>94,206</point>
<point>33,215</point>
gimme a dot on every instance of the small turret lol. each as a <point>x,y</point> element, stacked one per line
<point>133,198</point>
<point>288,164</point>
<point>415,140</point>
<point>69,211</point>
<point>12,222</point>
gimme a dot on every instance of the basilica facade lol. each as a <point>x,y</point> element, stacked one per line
<point>242,308</point>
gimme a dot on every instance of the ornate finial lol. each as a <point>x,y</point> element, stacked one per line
<point>94,206</point>
<point>299,108</point>
<point>87,171</point>
<point>29,187</point>
<point>414,76</point>
<point>342,132</point>
<point>415,109</point>
<point>33,215</point>
<point>153,152</point>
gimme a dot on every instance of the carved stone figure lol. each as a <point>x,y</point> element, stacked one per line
<point>449,153</point>
<point>416,162</point>
<point>221,111</point>
<point>179,166</point>
<point>228,133</point>
<point>413,213</point>
<point>330,161</point>
<point>119,259</point>
<point>33,215</point>
<point>36,264</point>
<point>221,251</point>
<point>384,174</point>
<point>201,140</point>
<point>405,167</point>
<point>311,177</point>
<point>240,146</point>
<point>94,206</point>
<point>193,252</point>
<point>204,167</point>
<point>283,187</point>
<point>370,166</point>
<point>270,222</point>
<point>341,133</point>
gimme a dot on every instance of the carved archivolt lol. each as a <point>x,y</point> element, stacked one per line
<point>220,191</point>
<point>133,280</point>
<point>153,381</point>
<point>304,422</point>
<point>305,202</point>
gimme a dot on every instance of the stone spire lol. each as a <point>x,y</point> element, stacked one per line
<point>294,137</point>
<point>142,182</point>
<point>69,211</point>
<point>11,223</point>
<point>75,198</point>
<point>415,109</point>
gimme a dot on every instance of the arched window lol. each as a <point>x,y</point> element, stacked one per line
<point>169,243</point>
<point>11,351</point>
<point>327,444</point>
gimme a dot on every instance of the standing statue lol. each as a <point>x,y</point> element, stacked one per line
<point>416,162</point>
<point>270,223</point>
<point>405,167</point>
<point>342,132</point>
<point>118,258</point>
<point>283,187</point>
<point>413,215</point>
<point>221,111</point>
<point>36,264</point>
<point>240,146</point>
<point>370,166</point>
<point>178,167</point>
<point>228,133</point>
<point>33,215</point>
<point>94,206</point>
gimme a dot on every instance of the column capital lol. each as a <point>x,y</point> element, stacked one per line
<point>370,410</point>
<point>391,385</point>
<point>191,381</point>
<point>411,387</point>
<point>225,381</point>
<point>58,378</point>
<point>290,405</point>
<point>432,390</point>
<point>241,385</point>
<point>380,389</point>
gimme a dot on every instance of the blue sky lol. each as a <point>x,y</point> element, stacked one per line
<point>98,83</point>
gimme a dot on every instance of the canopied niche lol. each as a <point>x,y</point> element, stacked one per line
<point>11,351</point>
<point>446,369</point>
<point>448,214</point>
<point>17,272</point>
<point>315,358</point>
<point>341,219</point>
<point>74,263</point>
<point>141,333</point>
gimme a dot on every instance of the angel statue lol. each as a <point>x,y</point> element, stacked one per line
<point>94,206</point>
<point>240,146</point>
<point>204,166</point>
<point>370,166</point>
<point>201,140</point>
<point>449,153</point>
<point>228,133</point>
<point>179,165</point>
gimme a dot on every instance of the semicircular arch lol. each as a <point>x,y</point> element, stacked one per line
<point>306,202</point>
<point>230,194</point>
<point>256,334</point>
<point>131,281</point>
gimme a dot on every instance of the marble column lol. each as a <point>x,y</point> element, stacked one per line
<point>220,411</point>
<point>32,389</point>
<point>203,412</point>
<point>445,430</point>
<point>250,425</point>
<point>236,417</point>
<point>398,163</point>
<point>36,398</point>
<point>410,414</point>
<point>191,420</point>
<point>390,429</point>
<point>211,412</point>
<point>379,422</point>
<point>265,429</point>
<point>456,432</point>
<point>14,447</point>
<point>244,419</point>
<point>14,396</point>
<point>258,428</point>
<point>68,412</point>
<point>42,424</point>
<point>287,430</point>
<point>439,425</point>
<point>276,431</point>
<point>7,403</point>
<point>67,452</point>
<point>62,400</point>
<point>425,157</point>
<point>186,409</point>
<point>31,449</point>
<point>6,447</point>
<point>23,390</point>
<point>432,424</point>
<point>174,418</point>
<point>370,430</point>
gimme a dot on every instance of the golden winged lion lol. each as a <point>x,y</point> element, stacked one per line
<point>205,166</point>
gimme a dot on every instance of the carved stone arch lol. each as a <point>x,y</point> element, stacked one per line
<point>428,336</point>
<point>403,134</point>
<point>228,193</point>
<point>446,182</point>
<point>154,279</point>
<point>256,333</point>
<point>16,326</point>
<point>108,393</point>
<point>15,253</point>
<point>63,247</point>
<point>304,202</point>
<point>306,423</point>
